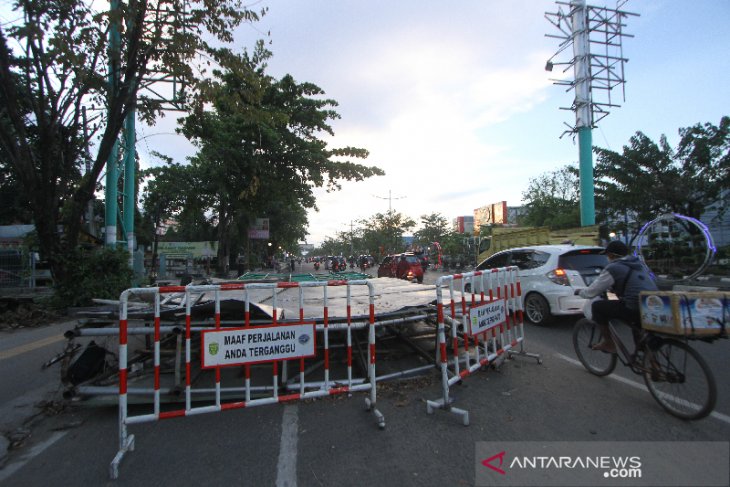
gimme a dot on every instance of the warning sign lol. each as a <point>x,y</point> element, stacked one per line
<point>239,346</point>
<point>486,316</point>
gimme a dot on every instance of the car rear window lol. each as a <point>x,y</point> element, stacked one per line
<point>580,260</point>
<point>529,259</point>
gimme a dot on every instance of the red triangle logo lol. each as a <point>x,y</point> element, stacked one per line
<point>488,462</point>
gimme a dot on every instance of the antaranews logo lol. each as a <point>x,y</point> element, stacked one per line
<point>614,467</point>
<point>601,463</point>
<point>488,462</point>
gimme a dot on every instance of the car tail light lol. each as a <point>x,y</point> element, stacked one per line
<point>558,276</point>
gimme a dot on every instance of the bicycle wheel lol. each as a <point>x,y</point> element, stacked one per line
<point>680,380</point>
<point>586,333</point>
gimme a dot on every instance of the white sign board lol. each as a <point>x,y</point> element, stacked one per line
<point>239,346</point>
<point>484,317</point>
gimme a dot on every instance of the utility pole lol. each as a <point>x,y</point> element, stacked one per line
<point>390,200</point>
<point>112,169</point>
<point>352,250</point>
<point>128,162</point>
<point>126,168</point>
<point>595,75</point>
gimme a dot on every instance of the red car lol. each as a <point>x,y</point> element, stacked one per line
<point>401,266</point>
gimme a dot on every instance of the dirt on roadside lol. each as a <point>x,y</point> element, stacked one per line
<point>16,313</point>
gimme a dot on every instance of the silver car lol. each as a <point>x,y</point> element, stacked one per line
<point>548,276</point>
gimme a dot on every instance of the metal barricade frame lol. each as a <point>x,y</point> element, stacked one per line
<point>327,388</point>
<point>486,286</point>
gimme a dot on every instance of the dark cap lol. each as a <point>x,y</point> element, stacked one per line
<point>616,247</point>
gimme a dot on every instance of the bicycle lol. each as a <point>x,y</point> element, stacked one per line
<point>676,375</point>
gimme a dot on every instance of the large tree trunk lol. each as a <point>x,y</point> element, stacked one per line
<point>224,231</point>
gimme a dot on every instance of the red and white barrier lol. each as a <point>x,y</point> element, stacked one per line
<point>486,322</point>
<point>285,340</point>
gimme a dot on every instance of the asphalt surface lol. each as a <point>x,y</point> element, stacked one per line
<point>335,441</point>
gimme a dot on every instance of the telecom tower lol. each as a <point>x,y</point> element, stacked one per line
<point>595,76</point>
<point>159,86</point>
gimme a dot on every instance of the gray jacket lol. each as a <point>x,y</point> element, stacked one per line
<point>625,277</point>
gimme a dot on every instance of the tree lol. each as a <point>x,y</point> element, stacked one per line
<point>384,231</point>
<point>55,63</point>
<point>553,199</point>
<point>434,226</point>
<point>648,179</point>
<point>167,196</point>
<point>260,152</point>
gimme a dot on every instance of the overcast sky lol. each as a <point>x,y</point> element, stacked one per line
<point>452,100</point>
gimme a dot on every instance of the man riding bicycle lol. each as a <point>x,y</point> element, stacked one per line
<point>626,276</point>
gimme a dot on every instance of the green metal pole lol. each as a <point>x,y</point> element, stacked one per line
<point>112,171</point>
<point>587,205</point>
<point>129,181</point>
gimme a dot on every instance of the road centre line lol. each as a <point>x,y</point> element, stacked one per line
<point>6,354</point>
<point>286,468</point>
<point>719,416</point>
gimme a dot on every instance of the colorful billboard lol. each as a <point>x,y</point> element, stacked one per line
<point>493,214</point>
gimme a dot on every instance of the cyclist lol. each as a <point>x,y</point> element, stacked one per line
<point>626,276</point>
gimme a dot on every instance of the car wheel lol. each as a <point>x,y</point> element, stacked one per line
<point>537,309</point>
<point>420,280</point>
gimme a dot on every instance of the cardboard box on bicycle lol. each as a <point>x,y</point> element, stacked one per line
<point>685,313</point>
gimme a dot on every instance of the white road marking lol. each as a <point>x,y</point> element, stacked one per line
<point>286,469</point>
<point>719,416</point>
<point>13,467</point>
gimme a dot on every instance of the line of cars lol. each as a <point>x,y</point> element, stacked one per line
<point>548,274</point>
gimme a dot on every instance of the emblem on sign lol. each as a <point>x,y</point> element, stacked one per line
<point>213,348</point>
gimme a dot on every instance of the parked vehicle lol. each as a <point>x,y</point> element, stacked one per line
<point>401,266</point>
<point>548,275</point>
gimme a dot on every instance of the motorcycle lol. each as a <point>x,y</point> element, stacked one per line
<point>316,266</point>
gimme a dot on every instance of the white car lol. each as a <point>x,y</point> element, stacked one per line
<point>549,275</point>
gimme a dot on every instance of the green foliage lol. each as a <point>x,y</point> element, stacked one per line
<point>648,179</point>
<point>99,273</point>
<point>433,226</point>
<point>383,232</point>
<point>452,243</point>
<point>260,155</point>
<point>553,200</point>
<point>43,131</point>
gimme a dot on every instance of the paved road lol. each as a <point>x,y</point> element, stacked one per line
<point>334,442</point>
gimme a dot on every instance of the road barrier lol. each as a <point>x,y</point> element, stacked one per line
<point>249,347</point>
<point>486,324</point>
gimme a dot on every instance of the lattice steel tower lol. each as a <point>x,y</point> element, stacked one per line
<point>596,74</point>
